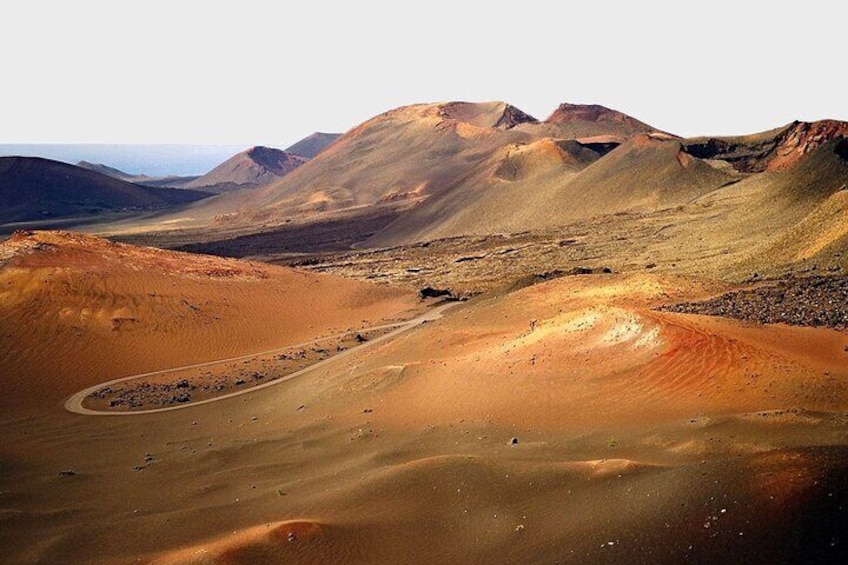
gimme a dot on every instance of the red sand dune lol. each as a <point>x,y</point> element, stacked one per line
<point>79,310</point>
<point>638,436</point>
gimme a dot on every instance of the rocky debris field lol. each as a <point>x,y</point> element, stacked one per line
<point>470,265</point>
<point>812,301</point>
<point>182,386</point>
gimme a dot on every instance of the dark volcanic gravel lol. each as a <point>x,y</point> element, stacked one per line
<point>814,301</point>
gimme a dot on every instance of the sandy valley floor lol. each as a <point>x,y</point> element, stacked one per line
<point>565,422</point>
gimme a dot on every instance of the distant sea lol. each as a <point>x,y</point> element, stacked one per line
<point>153,160</point>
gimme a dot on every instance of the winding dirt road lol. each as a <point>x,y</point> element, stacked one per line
<point>74,403</point>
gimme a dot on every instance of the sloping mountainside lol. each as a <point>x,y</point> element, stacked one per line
<point>169,181</point>
<point>798,214</point>
<point>112,172</point>
<point>258,166</point>
<point>312,145</point>
<point>775,150</point>
<point>416,152</point>
<point>646,173</point>
<point>32,188</point>
<point>764,182</point>
<point>592,120</point>
<point>724,206</point>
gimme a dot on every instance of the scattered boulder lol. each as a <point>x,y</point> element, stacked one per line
<point>430,292</point>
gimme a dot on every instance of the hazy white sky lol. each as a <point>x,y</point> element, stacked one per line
<point>251,72</point>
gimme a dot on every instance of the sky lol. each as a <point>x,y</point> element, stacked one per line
<point>248,72</point>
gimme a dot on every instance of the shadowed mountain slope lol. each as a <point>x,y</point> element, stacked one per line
<point>258,166</point>
<point>32,188</point>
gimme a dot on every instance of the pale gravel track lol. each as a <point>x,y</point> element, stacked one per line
<point>74,403</point>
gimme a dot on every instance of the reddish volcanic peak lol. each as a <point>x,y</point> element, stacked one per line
<point>258,166</point>
<point>567,113</point>
<point>776,150</point>
<point>486,114</point>
<point>512,116</point>
<point>802,138</point>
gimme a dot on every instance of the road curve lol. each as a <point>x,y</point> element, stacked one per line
<point>74,403</point>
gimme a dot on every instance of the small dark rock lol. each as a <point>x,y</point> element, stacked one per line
<point>430,292</point>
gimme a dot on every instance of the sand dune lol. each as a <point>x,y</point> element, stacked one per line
<point>614,360</point>
<point>79,310</point>
<point>565,421</point>
<point>269,543</point>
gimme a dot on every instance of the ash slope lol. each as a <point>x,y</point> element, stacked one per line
<point>311,145</point>
<point>78,310</point>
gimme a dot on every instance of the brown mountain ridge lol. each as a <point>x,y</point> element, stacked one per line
<point>457,169</point>
<point>255,167</point>
<point>32,188</point>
